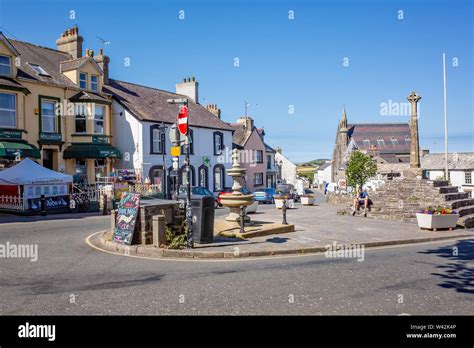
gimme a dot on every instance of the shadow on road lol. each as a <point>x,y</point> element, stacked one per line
<point>458,271</point>
<point>10,218</point>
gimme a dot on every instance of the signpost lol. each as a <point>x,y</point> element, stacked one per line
<point>126,217</point>
<point>182,122</point>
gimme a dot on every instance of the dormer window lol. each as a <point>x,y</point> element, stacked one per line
<point>39,70</point>
<point>366,141</point>
<point>83,80</point>
<point>394,141</point>
<point>407,140</point>
<point>5,66</point>
<point>380,141</point>
<point>94,83</point>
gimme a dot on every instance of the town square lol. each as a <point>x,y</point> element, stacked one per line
<point>198,158</point>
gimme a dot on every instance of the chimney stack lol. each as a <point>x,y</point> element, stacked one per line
<point>189,87</point>
<point>71,42</point>
<point>278,149</point>
<point>246,122</point>
<point>214,109</point>
<point>425,152</point>
<point>103,61</point>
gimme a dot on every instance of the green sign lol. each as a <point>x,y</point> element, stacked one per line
<point>206,161</point>
<point>100,139</point>
<point>10,134</point>
<point>51,137</point>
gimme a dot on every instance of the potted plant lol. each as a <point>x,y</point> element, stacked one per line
<point>279,200</point>
<point>307,199</point>
<point>436,218</point>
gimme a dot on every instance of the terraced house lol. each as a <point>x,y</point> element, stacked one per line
<point>53,109</point>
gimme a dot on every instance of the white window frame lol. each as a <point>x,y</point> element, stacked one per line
<point>99,119</point>
<point>259,182</point>
<point>14,110</point>
<point>9,65</point>
<point>55,127</point>
<point>83,80</point>
<point>156,141</point>
<point>39,69</point>
<point>467,175</point>
<point>96,83</point>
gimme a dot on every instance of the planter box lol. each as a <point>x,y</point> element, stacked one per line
<point>437,221</point>
<point>307,200</point>
<point>279,203</point>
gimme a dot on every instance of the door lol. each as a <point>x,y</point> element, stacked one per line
<point>48,158</point>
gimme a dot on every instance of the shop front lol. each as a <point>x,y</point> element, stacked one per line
<point>13,148</point>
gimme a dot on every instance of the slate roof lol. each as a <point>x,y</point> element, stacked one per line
<point>10,83</point>
<point>240,135</point>
<point>268,148</point>
<point>324,165</point>
<point>384,131</point>
<point>89,97</point>
<point>74,64</point>
<point>48,58</point>
<point>456,161</point>
<point>150,104</point>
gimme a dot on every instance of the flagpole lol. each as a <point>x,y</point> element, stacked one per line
<point>445,118</point>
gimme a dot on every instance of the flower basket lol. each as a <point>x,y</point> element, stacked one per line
<point>434,219</point>
<point>279,201</point>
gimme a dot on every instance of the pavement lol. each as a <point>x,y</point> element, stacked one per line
<point>316,228</point>
<point>71,278</point>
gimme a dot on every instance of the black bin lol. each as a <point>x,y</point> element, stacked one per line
<point>203,219</point>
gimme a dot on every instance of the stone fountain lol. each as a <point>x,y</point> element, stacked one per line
<point>236,199</point>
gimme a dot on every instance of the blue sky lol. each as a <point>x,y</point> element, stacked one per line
<point>284,62</point>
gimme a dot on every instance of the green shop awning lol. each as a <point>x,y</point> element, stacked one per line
<point>91,151</point>
<point>10,149</point>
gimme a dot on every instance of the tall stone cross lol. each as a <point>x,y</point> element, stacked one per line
<point>413,98</point>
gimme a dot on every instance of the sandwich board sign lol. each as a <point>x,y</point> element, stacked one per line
<point>126,218</point>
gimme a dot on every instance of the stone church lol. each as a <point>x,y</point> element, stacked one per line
<point>387,143</point>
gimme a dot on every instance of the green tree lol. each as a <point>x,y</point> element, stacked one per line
<point>359,169</point>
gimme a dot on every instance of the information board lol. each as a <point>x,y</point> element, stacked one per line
<point>126,217</point>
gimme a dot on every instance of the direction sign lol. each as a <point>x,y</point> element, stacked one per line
<point>176,151</point>
<point>183,120</point>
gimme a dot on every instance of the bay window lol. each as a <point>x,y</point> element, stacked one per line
<point>99,119</point>
<point>5,66</point>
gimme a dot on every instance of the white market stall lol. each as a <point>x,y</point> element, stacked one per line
<point>22,186</point>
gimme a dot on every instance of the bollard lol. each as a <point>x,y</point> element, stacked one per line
<point>159,230</point>
<point>242,219</point>
<point>283,210</point>
<point>104,204</point>
<point>43,205</point>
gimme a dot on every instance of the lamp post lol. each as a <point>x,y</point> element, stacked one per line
<point>163,129</point>
<point>189,212</point>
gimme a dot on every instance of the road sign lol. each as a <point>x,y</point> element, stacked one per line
<point>183,120</point>
<point>176,151</point>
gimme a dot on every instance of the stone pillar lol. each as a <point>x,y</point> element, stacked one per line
<point>413,98</point>
<point>159,229</point>
<point>112,220</point>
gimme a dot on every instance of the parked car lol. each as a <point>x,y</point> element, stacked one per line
<point>288,190</point>
<point>265,195</point>
<point>198,191</point>
<point>250,209</point>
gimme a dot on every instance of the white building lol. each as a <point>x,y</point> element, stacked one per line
<point>460,168</point>
<point>139,112</point>
<point>286,168</point>
<point>323,175</point>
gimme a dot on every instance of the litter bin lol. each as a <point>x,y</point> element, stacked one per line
<point>203,219</point>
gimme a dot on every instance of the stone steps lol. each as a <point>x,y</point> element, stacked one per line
<point>466,210</point>
<point>448,189</point>
<point>467,221</point>
<point>455,196</point>
<point>459,203</point>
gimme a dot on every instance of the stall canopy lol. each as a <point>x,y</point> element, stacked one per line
<point>28,172</point>
<point>9,149</point>
<point>91,151</point>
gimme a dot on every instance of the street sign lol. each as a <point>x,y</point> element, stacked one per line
<point>183,120</point>
<point>176,151</point>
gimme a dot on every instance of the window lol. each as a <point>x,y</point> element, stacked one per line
<point>48,120</point>
<point>468,177</point>
<point>191,144</point>
<point>203,176</point>
<point>258,179</point>
<point>380,142</point>
<point>7,110</point>
<point>83,80</point>
<point>157,177</point>
<point>218,143</point>
<point>269,161</point>
<point>259,156</point>
<point>100,168</point>
<point>95,83</point>
<point>99,120</point>
<point>157,139</point>
<point>5,66</point>
<point>407,140</point>
<point>80,119</point>
<point>81,171</point>
<point>218,177</point>
<point>394,141</point>
<point>39,70</point>
<point>366,141</point>
<point>184,177</point>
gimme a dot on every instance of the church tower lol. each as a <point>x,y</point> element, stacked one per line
<point>343,141</point>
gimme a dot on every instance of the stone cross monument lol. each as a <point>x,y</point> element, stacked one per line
<point>413,98</point>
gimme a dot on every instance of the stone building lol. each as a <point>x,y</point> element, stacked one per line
<point>387,143</point>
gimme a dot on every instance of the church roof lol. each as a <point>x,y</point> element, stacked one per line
<point>384,137</point>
